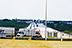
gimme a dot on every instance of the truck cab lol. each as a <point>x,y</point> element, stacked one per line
<point>20,34</point>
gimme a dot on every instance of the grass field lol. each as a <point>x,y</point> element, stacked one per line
<point>11,43</point>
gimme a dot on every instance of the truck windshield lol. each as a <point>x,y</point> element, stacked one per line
<point>20,32</point>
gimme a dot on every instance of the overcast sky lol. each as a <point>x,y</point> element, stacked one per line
<point>35,9</point>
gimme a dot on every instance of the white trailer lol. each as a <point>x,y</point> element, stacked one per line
<point>4,31</point>
<point>51,33</point>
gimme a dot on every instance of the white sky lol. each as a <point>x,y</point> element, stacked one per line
<point>35,9</point>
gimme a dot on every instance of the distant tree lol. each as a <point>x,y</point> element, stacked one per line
<point>6,20</point>
<point>34,20</point>
<point>43,21</point>
<point>66,31</point>
<point>70,33</point>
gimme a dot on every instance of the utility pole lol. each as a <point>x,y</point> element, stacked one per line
<point>46,21</point>
<point>69,34</point>
<point>61,37</point>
